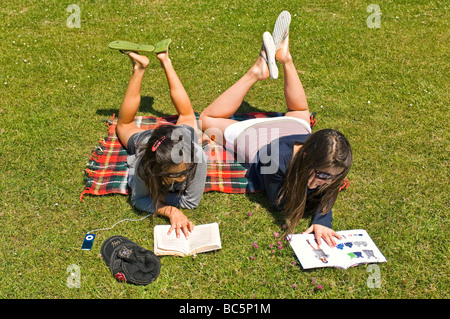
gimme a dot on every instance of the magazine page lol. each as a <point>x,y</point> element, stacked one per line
<point>356,247</point>
<point>359,248</point>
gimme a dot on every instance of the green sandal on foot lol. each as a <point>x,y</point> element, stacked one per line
<point>162,46</point>
<point>126,47</point>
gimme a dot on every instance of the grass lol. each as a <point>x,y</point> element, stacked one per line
<point>385,89</point>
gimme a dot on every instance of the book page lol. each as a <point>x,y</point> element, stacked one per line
<point>356,247</point>
<point>169,243</point>
<point>203,238</point>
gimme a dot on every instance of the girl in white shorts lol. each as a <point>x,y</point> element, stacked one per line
<point>300,172</point>
<point>247,137</point>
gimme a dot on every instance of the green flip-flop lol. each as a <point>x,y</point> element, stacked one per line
<point>162,46</point>
<point>127,46</point>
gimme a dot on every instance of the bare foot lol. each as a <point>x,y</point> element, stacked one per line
<point>283,55</point>
<point>140,62</point>
<point>260,69</point>
<point>163,57</point>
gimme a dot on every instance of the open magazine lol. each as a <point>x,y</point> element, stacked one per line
<point>203,238</point>
<point>355,248</point>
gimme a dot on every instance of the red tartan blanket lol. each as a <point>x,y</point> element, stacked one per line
<point>107,170</point>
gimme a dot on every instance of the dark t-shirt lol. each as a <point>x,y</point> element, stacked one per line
<point>269,169</point>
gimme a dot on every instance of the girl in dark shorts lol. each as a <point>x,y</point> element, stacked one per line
<point>167,167</point>
<point>301,172</point>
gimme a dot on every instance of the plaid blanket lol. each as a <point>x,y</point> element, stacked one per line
<point>107,170</point>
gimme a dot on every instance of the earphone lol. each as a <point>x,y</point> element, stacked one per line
<point>88,241</point>
<point>127,219</point>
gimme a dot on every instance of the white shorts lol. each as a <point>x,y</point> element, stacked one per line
<point>246,137</point>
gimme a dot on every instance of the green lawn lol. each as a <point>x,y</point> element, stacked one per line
<point>384,88</point>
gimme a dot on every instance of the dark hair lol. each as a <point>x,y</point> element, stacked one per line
<point>169,146</point>
<point>324,149</point>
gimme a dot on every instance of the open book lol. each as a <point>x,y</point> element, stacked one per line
<point>355,248</point>
<point>203,238</point>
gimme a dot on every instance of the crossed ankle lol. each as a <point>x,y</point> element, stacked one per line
<point>165,61</point>
<point>139,68</point>
<point>286,60</point>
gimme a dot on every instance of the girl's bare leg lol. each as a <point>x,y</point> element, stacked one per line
<point>216,115</point>
<point>178,94</point>
<point>293,89</point>
<point>131,101</point>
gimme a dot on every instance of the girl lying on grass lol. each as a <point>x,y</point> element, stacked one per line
<point>167,167</point>
<point>301,172</point>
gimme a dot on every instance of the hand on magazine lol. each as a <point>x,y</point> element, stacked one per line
<point>324,232</point>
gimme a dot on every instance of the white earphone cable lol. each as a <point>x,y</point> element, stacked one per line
<point>127,219</point>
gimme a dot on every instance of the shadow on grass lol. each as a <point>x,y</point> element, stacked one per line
<point>146,106</point>
<point>262,200</point>
<point>278,216</point>
<point>147,102</point>
<point>245,107</point>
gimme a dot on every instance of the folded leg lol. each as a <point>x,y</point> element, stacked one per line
<point>293,89</point>
<point>215,118</point>
<point>178,94</point>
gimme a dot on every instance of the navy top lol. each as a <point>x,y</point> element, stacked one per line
<point>267,172</point>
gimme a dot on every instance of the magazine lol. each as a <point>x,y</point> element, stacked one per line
<point>355,248</point>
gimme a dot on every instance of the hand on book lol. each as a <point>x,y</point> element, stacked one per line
<point>324,232</point>
<point>178,220</point>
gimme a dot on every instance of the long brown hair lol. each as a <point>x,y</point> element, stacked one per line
<point>162,152</point>
<point>324,149</point>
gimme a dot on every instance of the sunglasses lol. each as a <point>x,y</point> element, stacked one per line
<point>178,174</point>
<point>325,176</point>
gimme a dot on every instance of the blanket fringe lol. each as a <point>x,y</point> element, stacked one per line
<point>312,119</point>
<point>86,190</point>
<point>345,185</point>
<point>90,172</point>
